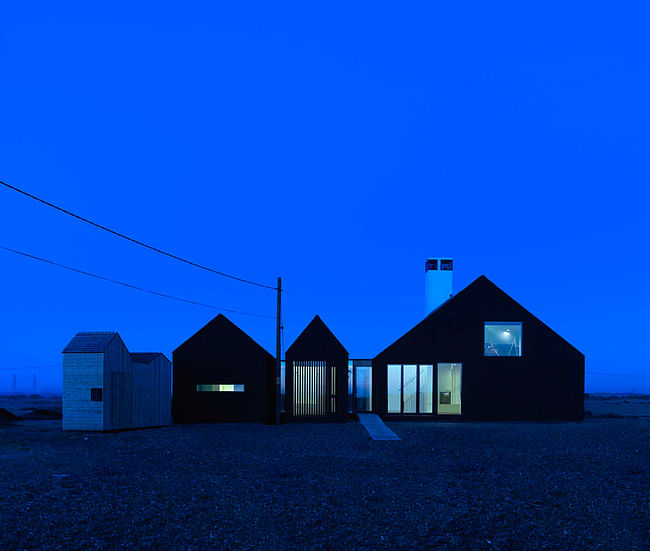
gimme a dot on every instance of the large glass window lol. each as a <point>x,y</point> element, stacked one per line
<point>364,387</point>
<point>394,389</point>
<point>426,389</point>
<point>502,338</point>
<point>410,388</point>
<point>449,388</point>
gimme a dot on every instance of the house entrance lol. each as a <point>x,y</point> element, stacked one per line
<point>359,386</point>
<point>449,388</point>
<point>314,388</point>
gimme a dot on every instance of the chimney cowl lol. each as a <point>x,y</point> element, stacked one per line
<point>438,282</point>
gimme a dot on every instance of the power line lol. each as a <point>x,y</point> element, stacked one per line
<point>133,286</point>
<point>137,242</point>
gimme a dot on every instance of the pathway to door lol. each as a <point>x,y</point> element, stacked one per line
<point>376,428</point>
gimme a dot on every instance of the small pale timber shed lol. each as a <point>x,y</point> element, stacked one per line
<point>107,388</point>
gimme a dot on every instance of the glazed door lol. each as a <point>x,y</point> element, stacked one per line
<point>449,395</point>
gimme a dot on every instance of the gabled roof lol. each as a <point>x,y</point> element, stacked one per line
<point>90,342</point>
<point>477,290</point>
<point>316,340</point>
<point>145,357</point>
<point>223,332</point>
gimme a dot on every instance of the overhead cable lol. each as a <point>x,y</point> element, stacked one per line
<point>130,286</point>
<point>137,242</point>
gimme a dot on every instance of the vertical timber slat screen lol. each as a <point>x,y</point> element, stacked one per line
<point>309,388</point>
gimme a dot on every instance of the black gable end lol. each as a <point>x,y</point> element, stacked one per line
<point>316,376</point>
<point>221,374</point>
<point>316,340</point>
<point>543,380</point>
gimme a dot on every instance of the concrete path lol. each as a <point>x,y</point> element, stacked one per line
<point>376,428</point>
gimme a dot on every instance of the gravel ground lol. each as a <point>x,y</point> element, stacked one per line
<point>513,486</point>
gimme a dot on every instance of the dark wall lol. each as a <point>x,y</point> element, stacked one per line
<point>318,343</point>
<point>545,383</point>
<point>221,353</point>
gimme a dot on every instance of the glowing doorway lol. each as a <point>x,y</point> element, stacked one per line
<point>450,377</point>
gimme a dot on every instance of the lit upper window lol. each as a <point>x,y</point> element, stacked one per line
<point>220,388</point>
<point>502,338</point>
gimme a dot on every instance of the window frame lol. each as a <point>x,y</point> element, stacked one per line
<point>507,323</point>
<point>418,389</point>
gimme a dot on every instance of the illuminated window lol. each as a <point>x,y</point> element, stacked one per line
<point>450,381</point>
<point>364,387</point>
<point>220,388</point>
<point>410,388</point>
<point>502,338</point>
<point>426,389</point>
<point>394,389</point>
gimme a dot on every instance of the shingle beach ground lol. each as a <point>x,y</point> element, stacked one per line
<point>459,486</point>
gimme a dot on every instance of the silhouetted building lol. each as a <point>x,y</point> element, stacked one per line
<point>316,371</point>
<point>479,355</point>
<point>222,375</point>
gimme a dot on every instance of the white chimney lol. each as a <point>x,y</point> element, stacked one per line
<point>438,279</point>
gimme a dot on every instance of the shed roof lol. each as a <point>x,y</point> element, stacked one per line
<point>89,342</point>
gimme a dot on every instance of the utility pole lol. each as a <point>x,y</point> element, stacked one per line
<point>278,352</point>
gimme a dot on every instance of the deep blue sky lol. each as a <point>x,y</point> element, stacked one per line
<point>335,145</point>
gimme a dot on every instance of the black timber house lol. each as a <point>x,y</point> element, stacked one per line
<point>316,371</point>
<point>222,375</point>
<point>479,356</point>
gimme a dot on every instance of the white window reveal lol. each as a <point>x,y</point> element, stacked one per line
<point>220,388</point>
<point>502,338</point>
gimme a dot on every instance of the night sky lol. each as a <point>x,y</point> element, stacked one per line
<point>336,145</point>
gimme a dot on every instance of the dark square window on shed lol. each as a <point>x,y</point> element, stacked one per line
<point>447,264</point>
<point>95,394</point>
<point>502,338</point>
<point>431,264</point>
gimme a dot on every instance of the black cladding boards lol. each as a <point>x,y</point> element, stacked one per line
<point>545,382</point>
<point>316,362</point>
<point>221,353</point>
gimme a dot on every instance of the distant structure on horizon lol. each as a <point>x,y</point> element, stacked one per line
<point>105,387</point>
